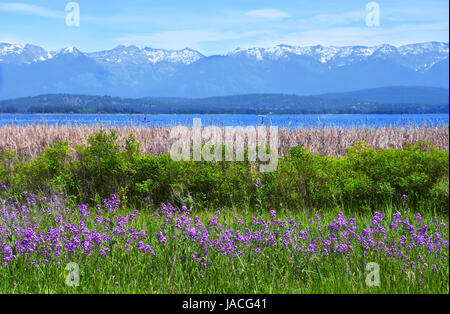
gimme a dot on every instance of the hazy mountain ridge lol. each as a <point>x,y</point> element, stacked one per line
<point>28,70</point>
<point>381,100</point>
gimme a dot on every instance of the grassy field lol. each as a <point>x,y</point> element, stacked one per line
<point>172,250</point>
<point>104,217</point>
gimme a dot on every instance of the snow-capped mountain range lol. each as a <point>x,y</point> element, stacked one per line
<point>147,55</point>
<point>27,54</point>
<point>415,56</point>
<point>130,71</point>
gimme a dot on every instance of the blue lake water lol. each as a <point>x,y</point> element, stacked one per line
<point>287,121</point>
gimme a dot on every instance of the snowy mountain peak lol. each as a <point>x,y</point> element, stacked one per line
<point>71,50</point>
<point>145,55</point>
<point>333,56</point>
<point>21,54</point>
<point>10,47</point>
<point>420,48</point>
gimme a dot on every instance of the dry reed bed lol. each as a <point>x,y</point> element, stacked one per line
<point>30,140</point>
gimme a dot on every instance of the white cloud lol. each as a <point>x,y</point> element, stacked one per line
<point>409,13</point>
<point>179,39</point>
<point>325,20</point>
<point>270,14</point>
<point>30,9</point>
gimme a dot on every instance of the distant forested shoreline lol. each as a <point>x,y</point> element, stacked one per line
<point>390,100</point>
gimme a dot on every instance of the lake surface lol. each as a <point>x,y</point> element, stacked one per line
<point>287,121</point>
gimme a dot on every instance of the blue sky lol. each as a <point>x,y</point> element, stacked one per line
<point>218,26</point>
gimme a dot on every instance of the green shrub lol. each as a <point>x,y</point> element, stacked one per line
<point>365,178</point>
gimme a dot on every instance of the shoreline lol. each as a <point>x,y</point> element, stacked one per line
<point>221,114</point>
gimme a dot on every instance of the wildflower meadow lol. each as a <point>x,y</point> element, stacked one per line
<point>249,237</point>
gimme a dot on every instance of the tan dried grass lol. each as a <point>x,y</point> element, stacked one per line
<point>30,140</point>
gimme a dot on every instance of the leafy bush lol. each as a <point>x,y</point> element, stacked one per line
<point>365,178</point>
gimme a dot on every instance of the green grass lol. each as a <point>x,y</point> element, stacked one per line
<point>275,273</point>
